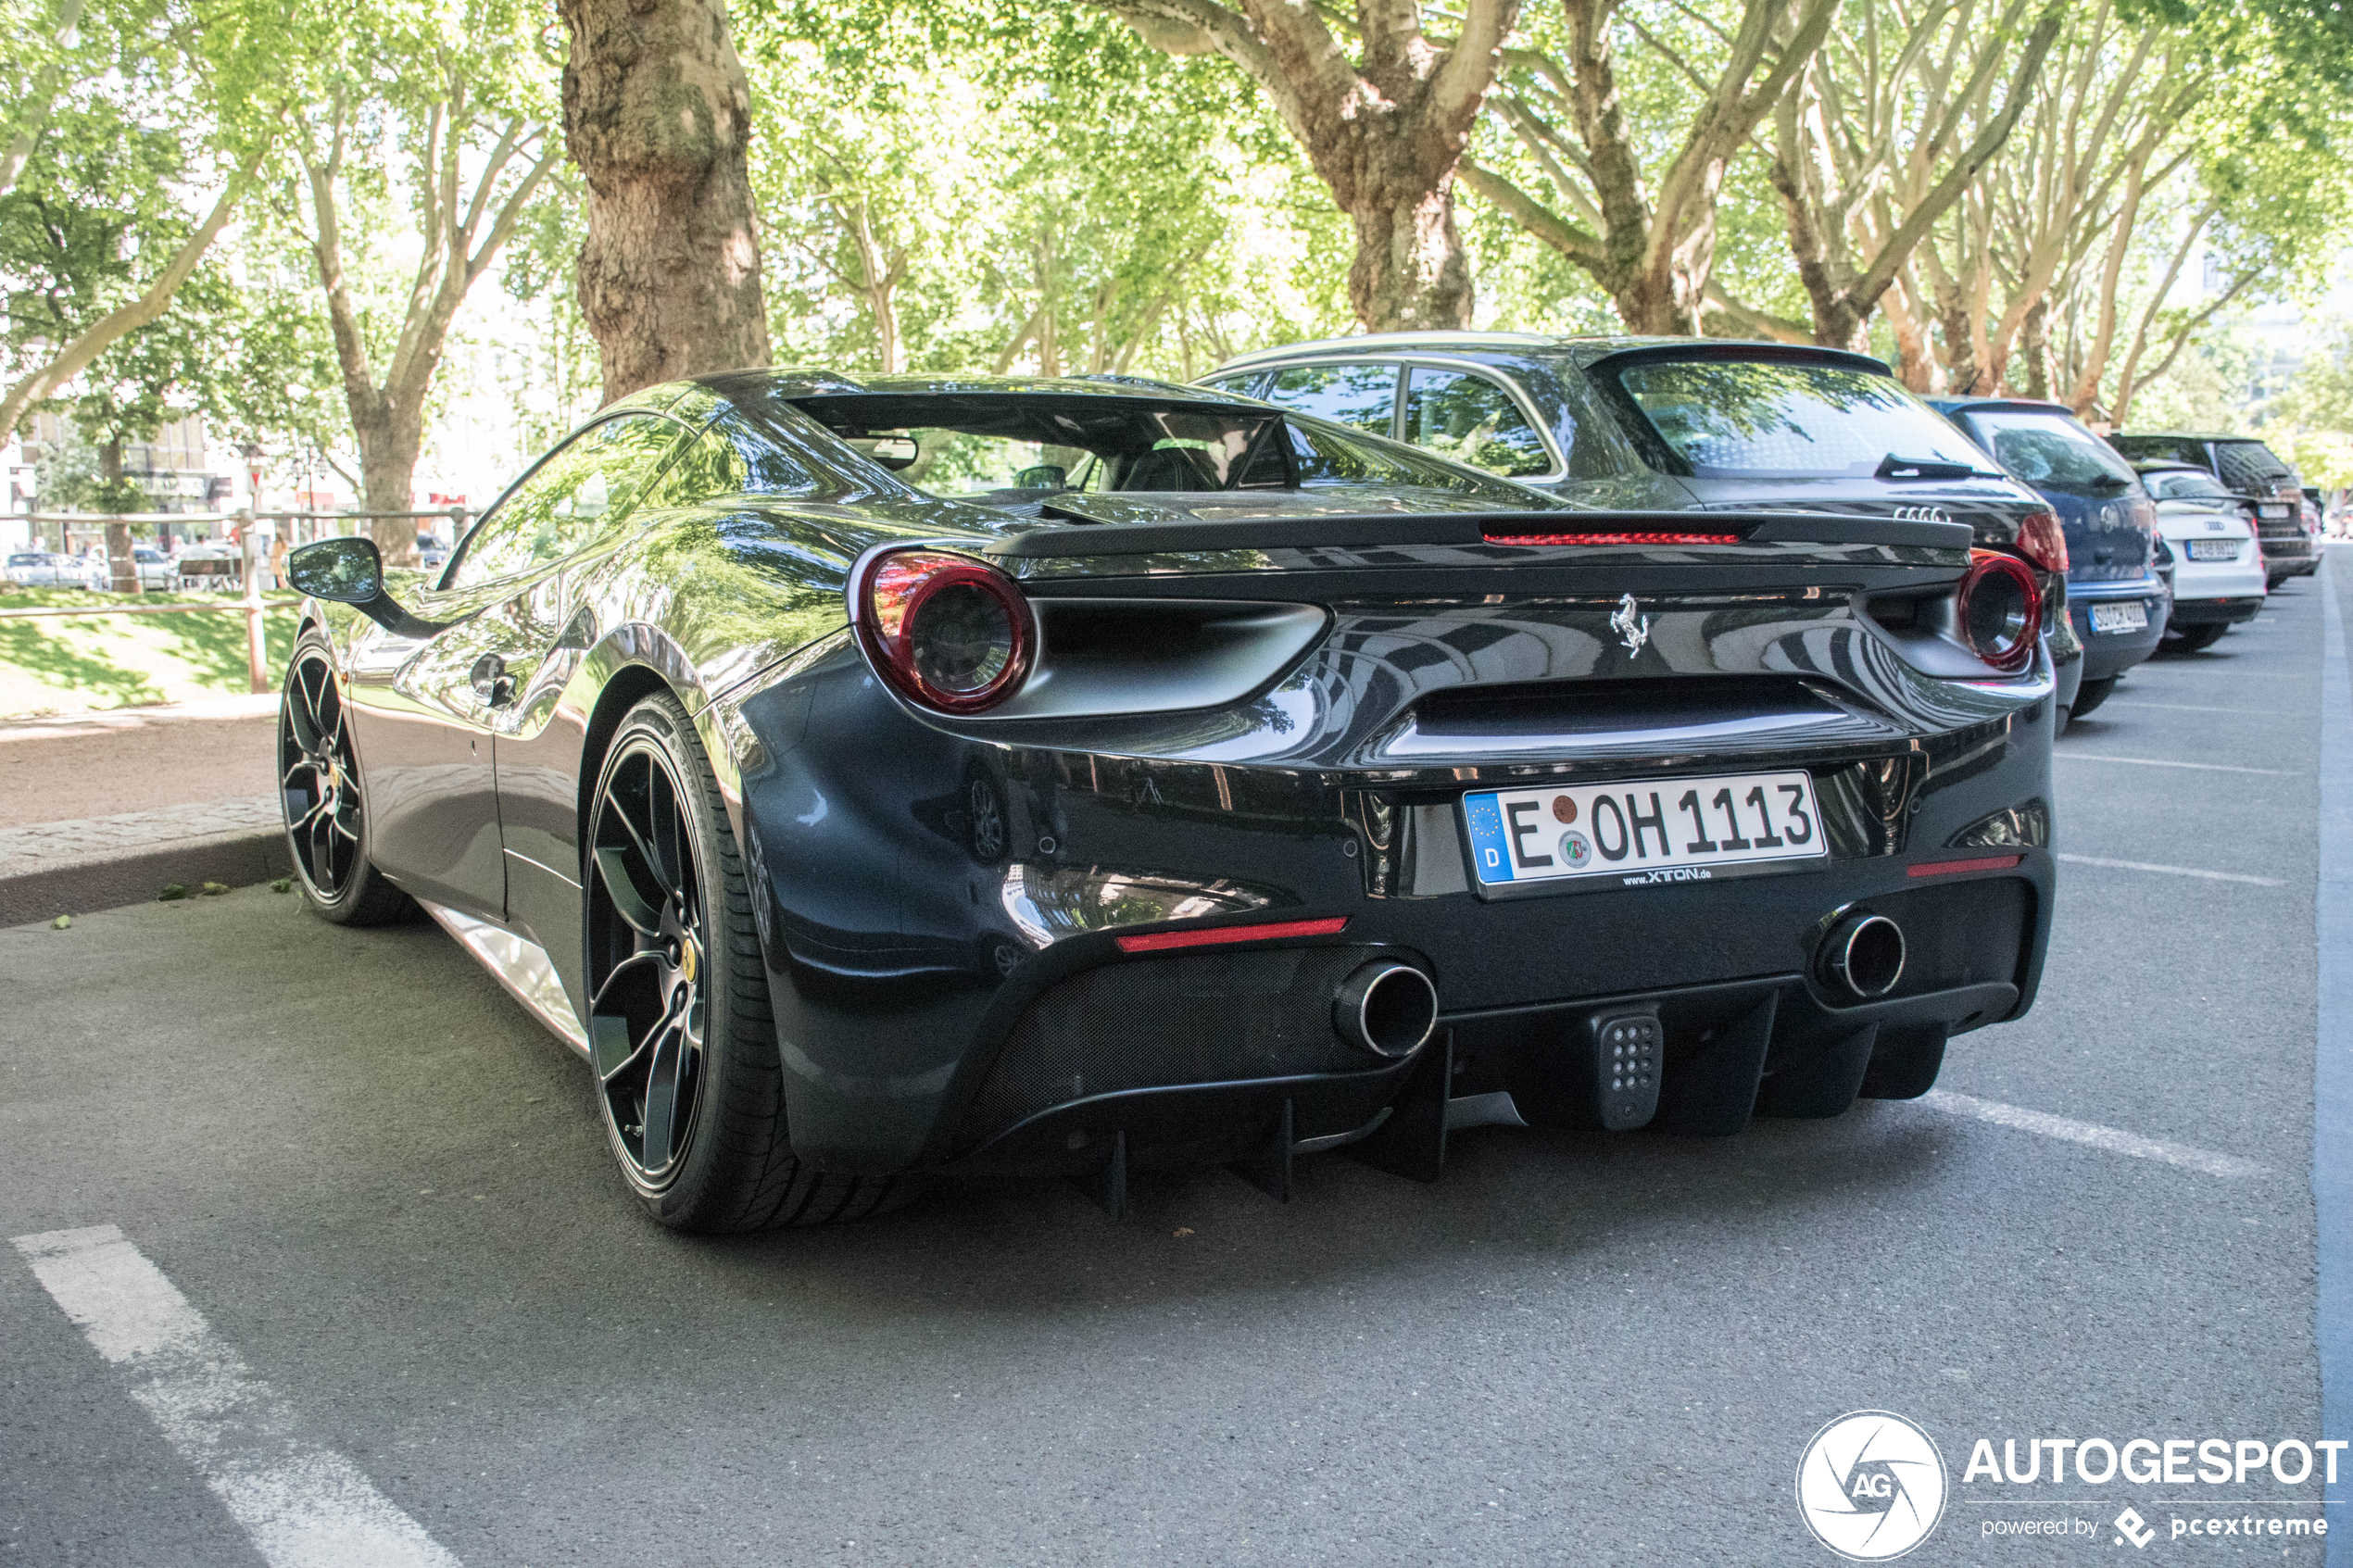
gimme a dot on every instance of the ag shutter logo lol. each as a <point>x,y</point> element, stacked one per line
<point>1870,1485</point>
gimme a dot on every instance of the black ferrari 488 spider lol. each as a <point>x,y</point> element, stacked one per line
<point>877,777</point>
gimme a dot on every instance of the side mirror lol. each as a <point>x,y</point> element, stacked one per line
<point>349,571</point>
<point>1045,476</point>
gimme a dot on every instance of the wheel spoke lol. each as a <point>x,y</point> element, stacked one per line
<point>321,864</point>
<point>630,965</point>
<point>640,914</point>
<point>300,715</point>
<point>662,1100</point>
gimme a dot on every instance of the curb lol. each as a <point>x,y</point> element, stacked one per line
<point>238,859</point>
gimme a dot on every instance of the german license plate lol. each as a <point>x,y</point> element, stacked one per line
<point>2214,549</point>
<point>1665,830</point>
<point>2128,615</point>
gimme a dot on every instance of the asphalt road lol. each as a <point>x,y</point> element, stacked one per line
<point>384,1188</point>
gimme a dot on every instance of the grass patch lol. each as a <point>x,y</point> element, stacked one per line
<point>67,664</point>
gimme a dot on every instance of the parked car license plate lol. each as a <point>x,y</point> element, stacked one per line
<point>2130,615</point>
<point>1662,830</point>
<point>2214,549</point>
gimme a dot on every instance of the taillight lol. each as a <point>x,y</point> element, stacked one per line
<point>2043,541</point>
<point>950,631</point>
<point>2000,610</point>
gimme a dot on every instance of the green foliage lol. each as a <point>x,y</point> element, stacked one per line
<point>1021,182</point>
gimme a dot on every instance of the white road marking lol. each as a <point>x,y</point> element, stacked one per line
<point>304,1506</point>
<point>2166,762</point>
<point>2171,871</point>
<point>2114,1140</point>
<point>2195,707</point>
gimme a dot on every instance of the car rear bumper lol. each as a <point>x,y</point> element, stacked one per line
<point>958,998</point>
<point>2217,611</point>
<point>2111,653</point>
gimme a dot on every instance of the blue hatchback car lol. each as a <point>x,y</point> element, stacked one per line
<point>2115,598</point>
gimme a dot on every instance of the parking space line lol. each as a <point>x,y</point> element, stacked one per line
<point>2166,762</point>
<point>303,1506</point>
<point>2114,1139</point>
<point>2169,871</point>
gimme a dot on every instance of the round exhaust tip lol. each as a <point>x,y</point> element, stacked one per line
<point>1386,1007</point>
<point>1863,955</point>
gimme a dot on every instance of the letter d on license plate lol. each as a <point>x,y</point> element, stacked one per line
<point>1660,830</point>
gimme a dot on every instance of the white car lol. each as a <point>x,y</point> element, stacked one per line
<point>40,569</point>
<point>155,569</point>
<point>2219,577</point>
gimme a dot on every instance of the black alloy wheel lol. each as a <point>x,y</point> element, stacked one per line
<point>648,974</point>
<point>680,1027</point>
<point>319,787</point>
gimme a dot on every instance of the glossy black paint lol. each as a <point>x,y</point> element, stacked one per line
<point>924,883</point>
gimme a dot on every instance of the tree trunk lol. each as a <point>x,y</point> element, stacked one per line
<point>658,116</point>
<point>388,446</point>
<point>1411,271</point>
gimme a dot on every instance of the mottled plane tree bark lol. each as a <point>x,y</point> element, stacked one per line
<point>1384,131</point>
<point>658,116</point>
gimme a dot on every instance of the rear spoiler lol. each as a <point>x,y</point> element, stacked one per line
<point>1505,530</point>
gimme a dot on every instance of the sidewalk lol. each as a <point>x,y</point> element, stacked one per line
<point>99,809</point>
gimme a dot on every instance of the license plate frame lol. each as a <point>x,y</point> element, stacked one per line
<point>1547,855</point>
<point>2124,615</point>
<point>2214,549</point>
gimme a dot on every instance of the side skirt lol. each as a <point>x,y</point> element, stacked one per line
<point>522,966</point>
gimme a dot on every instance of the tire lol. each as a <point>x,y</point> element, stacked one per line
<point>2090,696</point>
<point>681,1035</point>
<point>2190,639</point>
<point>319,793</point>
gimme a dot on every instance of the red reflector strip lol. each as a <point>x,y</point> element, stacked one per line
<point>1954,868</point>
<point>1161,941</point>
<point>1612,538</point>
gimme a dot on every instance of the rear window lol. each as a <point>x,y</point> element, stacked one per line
<point>2160,448</point>
<point>1748,418</point>
<point>2180,485</point>
<point>2050,451</point>
<point>2249,465</point>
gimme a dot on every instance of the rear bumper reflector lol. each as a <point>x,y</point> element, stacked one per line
<point>1612,538</point>
<point>1161,941</point>
<point>1954,868</point>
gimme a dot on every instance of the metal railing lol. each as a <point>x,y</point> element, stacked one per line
<point>123,568</point>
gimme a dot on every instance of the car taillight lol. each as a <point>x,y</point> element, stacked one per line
<point>2000,610</point>
<point>2043,541</point>
<point>950,631</point>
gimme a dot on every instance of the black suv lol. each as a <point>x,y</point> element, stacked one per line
<point>1677,424</point>
<point>2252,471</point>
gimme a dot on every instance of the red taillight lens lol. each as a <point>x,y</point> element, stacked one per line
<point>2001,611</point>
<point>950,632</point>
<point>2043,541</point>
